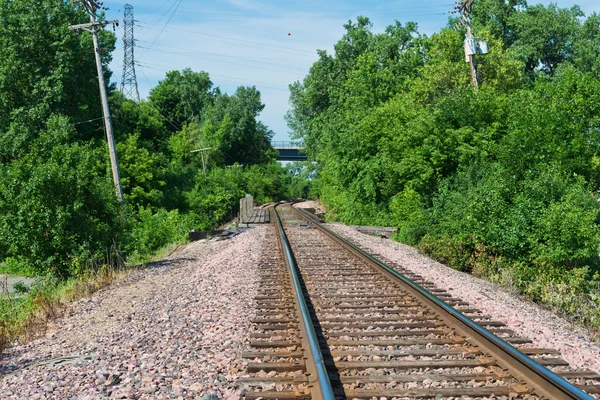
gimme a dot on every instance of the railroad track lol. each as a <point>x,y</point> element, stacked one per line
<point>333,322</point>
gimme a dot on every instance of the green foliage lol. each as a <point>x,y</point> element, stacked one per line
<point>496,181</point>
<point>12,266</point>
<point>407,212</point>
<point>544,35</point>
<point>55,203</point>
<point>20,288</point>
<point>546,219</point>
<point>182,97</point>
<point>58,211</point>
<point>155,230</point>
<point>142,171</point>
<point>301,175</point>
<point>45,69</point>
<point>233,131</point>
<point>266,182</point>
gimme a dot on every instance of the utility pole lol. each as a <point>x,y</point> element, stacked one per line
<point>91,6</point>
<point>202,151</point>
<point>129,86</point>
<point>464,8</point>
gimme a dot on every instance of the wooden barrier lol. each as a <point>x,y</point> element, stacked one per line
<point>246,208</point>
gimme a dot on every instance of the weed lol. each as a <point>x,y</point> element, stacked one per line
<point>25,318</point>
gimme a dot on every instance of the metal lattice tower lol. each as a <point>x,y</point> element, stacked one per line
<point>129,85</point>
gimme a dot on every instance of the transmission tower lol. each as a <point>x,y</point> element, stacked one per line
<point>129,85</point>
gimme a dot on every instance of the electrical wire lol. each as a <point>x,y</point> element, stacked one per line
<point>164,4</point>
<point>16,134</point>
<point>230,39</point>
<point>163,28</point>
<point>221,61</point>
<point>165,13</point>
<point>267,85</point>
<point>336,11</point>
<point>227,56</point>
<point>314,17</point>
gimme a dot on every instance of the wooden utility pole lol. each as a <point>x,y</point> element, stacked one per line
<point>91,6</point>
<point>202,151</point>
<point>464,8</point>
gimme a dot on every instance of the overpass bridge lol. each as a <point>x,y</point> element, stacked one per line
<point>288,151</point>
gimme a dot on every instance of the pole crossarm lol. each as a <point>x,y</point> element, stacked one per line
<point>465,6</point>
<point>206,149</point>
<point>202,151</point>
<point>93,25</point>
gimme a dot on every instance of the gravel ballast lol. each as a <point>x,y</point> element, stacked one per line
<point>174,330</point>
<point>544,328</point>
<point>178,328</point>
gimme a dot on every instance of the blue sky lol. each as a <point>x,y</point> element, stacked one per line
<point>244,42</point>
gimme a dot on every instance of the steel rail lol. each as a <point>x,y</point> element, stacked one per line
<point>540,378</point>
<point>321,388</point>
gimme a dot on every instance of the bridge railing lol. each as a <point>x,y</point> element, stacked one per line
<point>286,145</point>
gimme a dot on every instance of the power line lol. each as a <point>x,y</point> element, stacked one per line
<point>221,61</point>
<point>293,12</point>
<point>165,25</point>
<point>164,4</point>
<point>266,85</point>
<point>320,14</point>
<point>15,134</point>
<point>226,56</point>
<point>165,13</point>
<point>225,38</point>
<point>88,121</point>
<point>315,17</point>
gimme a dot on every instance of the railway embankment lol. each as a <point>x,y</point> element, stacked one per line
<point>176,328</point>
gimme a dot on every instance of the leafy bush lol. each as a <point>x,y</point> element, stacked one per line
<point>56,203</point>
<point>407,212</point>
<point>546,219</point>
<point>12,266</point>
<point>154,230</point>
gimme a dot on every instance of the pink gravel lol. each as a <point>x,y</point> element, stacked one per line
<point>544,328</point>
<point>175,330</point>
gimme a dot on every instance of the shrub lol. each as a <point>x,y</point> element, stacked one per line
<point>154,230</point>
<point>407,212</point>
<point>12,266</point>
<point>57,203</point>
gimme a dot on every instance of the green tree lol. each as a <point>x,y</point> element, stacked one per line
<point>182,97</point>
<point>57,203</point>
<point>234,132</point>
<point>45,69</point>
<point>544,36</point>
<point>496,16</point>
<point>142,172</point>
<point>586,52</point>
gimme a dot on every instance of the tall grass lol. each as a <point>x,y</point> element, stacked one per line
<point>26,317</point>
